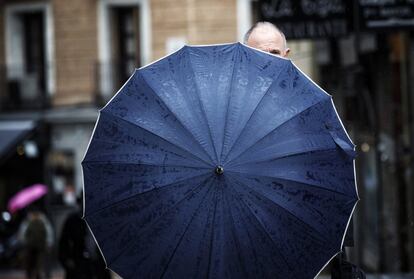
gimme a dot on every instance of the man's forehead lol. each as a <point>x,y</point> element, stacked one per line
<point>268,30</point>
<point>266,35</point>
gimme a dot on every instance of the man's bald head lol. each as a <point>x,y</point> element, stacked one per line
<point>267,37</point>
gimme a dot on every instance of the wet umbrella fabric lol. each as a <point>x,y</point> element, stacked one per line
<point>219,162</point>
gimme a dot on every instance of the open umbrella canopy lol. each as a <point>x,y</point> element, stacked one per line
<point>26,196</point>
<point>219,162</point>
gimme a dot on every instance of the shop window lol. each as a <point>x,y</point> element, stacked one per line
<point>28,46</point>
<point>125,42</point>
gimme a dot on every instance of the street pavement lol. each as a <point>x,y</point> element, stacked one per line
<point>383,276</point>
<point>19,274</point>
<point>58,274</point>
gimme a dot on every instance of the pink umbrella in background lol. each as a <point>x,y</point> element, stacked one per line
<point>26,196</point>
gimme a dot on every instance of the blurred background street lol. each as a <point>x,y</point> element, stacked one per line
<point>18,274</point>
<point>61,61</point>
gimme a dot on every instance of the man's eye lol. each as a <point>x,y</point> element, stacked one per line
<point>274,51</point>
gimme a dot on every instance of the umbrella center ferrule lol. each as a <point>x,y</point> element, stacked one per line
<point>219,170</point>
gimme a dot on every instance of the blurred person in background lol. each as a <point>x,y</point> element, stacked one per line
<point>36,237</point>
<point>78,252</point>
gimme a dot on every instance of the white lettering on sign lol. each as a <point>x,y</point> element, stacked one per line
<point>277,8</point>
<point>396,11</point>
<point>315,29</point>
<point>322,8</point>
<point>376,2</point>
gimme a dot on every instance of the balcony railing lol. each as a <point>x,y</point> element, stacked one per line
<point>25,91</point>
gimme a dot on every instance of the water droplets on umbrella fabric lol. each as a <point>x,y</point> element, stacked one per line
<point>155,195</point>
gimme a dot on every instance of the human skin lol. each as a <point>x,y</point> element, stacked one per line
<point>268,39</point>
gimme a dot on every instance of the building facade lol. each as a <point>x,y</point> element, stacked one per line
<point>61,61</point>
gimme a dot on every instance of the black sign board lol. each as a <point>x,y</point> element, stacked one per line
<point>300,19</point>
<point>385,14</point>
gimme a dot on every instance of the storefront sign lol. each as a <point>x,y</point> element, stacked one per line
<point>383,14</point>
<point>308,18</point>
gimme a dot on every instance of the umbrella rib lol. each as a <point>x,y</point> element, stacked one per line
<point>137,124</point>
<point>203,109</point>
<point>192,157</point>
<point>253,112</point>
<point>183,234</point>
<point>293,154</point>
<point>160,217</point>
<point>277,127</point>
<point>231,214</point>
<point>283,209</point>
<point>91,161</point>
<point>210,254</point>
<point>141,193</point>
<point>123,225</point>
<point>296,181</point>
<point>262,225</point>
<point>229,101</point>
<point>178,119</point>
<point>137,164</point>
<point>234,233</point>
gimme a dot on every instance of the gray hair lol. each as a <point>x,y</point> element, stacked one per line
<point>263,24</point>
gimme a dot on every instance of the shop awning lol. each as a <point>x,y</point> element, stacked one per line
<point>12,132</point>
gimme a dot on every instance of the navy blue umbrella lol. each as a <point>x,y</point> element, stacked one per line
<point>219,162</point>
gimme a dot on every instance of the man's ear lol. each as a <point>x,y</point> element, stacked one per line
<point>287,51</point>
